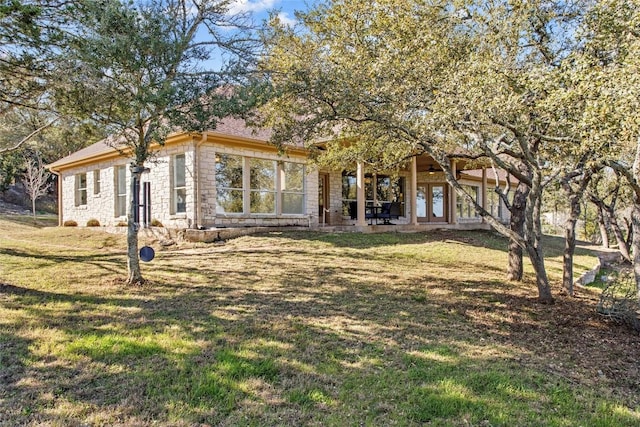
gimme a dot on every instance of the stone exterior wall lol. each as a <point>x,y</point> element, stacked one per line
<point>99,206</point>
<point>200,161</point>
<point>199,177</point>
<point>212,217</point>
<point>102,206</point>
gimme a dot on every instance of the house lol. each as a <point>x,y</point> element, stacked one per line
<point>232,177</point>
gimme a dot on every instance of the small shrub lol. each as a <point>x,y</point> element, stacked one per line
<point>93,223</point>
<point>122,224</point>
<point>70,223</point>
<point>156,223</point>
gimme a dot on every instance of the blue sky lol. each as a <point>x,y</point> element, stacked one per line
<point>261,8</point>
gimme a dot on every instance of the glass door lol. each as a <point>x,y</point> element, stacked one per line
<point>323,198</point>
<point>431,202</point>
<point>438,205</point>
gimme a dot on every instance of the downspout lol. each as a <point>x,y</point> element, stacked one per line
<point>198,208</point>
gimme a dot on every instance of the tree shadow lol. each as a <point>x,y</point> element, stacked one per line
<point>224,349</point>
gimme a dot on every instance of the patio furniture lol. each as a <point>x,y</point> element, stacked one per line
<point>388,211</point>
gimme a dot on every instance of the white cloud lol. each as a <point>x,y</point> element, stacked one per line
<point>286,19</point>
<point>256,6</point>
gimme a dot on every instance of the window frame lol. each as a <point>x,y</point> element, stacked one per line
<point>271,190</point>
<point>231,189</point>
<point>80,193</point>
<point>96,182</point>
<point>255,191</point>
<point>372,190</point>
<point>120,199</point>
<point>178,208</point>
<point>283,191</point>
<point>465,209</point>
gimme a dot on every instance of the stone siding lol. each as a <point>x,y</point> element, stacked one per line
<point>102,206</point>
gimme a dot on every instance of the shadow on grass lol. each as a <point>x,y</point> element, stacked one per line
<point>323,344</point>
<point>109,262</point>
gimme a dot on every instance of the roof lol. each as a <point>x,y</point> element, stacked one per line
<point>229,126</point>
<point>477,173</point>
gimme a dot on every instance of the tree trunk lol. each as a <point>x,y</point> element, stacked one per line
<point>635,218</point>
<point>542,281</point>
<point>570,244</point>
<point>602,225</point>
<point>516,223</point>
<point>617,232</point>
<point>33,208</point>
<point>533,238</point>
<point>133,260</point>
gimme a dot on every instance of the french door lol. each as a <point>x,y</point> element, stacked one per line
<point>431,202</point>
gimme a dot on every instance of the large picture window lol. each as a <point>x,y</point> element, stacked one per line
<point>387,189</point>
<point>248,185</point>
<point>120,173</point>
<point>229,183</point>
<point>292,187</point>
<point>262,178</point>
<point>179,184</point>
<point>464,208</point>
<point>81,189</point>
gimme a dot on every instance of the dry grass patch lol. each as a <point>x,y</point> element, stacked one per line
<point>300,329</point>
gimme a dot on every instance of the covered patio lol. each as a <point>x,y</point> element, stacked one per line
<point>420,191</point>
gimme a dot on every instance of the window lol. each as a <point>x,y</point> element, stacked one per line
<point>96,181</point>
<point>292,187</point>
<point>464,208</point>
<point>390,190</point>
<point>262,178</point>
<point>229,184</point>
<point>349,191</point>
<point>494,207</point>
<point>179,184</point>
<point>248,185</point>
<point>387,189</point>
<point>81,189</point>
<point>120,186</point>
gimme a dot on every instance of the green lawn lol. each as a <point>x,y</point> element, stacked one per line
<point>301,329</point>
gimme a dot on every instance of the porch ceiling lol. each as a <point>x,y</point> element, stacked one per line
<point>425,162</point>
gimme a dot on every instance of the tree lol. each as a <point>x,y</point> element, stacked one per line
<point>605,193</point>
<point>144,69</point>
<point>36,180</point>
<point>399,78</point>
<point>30,33</point>
<point>609,62</point>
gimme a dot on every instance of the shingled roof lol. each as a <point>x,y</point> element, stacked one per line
<point>229,126</point>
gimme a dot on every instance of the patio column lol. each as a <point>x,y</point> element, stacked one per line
<point>484,190</point>
<point>361,221</point>
<point>413,198</point>
<point>453,216</point>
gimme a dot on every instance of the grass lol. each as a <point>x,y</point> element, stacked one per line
<point>301,329</point>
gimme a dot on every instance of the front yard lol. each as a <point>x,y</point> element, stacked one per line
<point>301,329</point>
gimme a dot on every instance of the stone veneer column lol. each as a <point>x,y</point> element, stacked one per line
<point>453,196</point>
<point>413,202</point>
<point>361,221</point>
<point>484,190</point>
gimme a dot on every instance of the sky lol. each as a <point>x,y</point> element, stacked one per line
<point>261,8</point>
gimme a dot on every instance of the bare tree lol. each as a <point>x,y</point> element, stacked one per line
<point>35,180</point>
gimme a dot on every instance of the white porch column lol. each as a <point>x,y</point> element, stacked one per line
<point>361,221</point>
<point>453,217</point>
<point>413,198</point>
<point>484,190</point>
